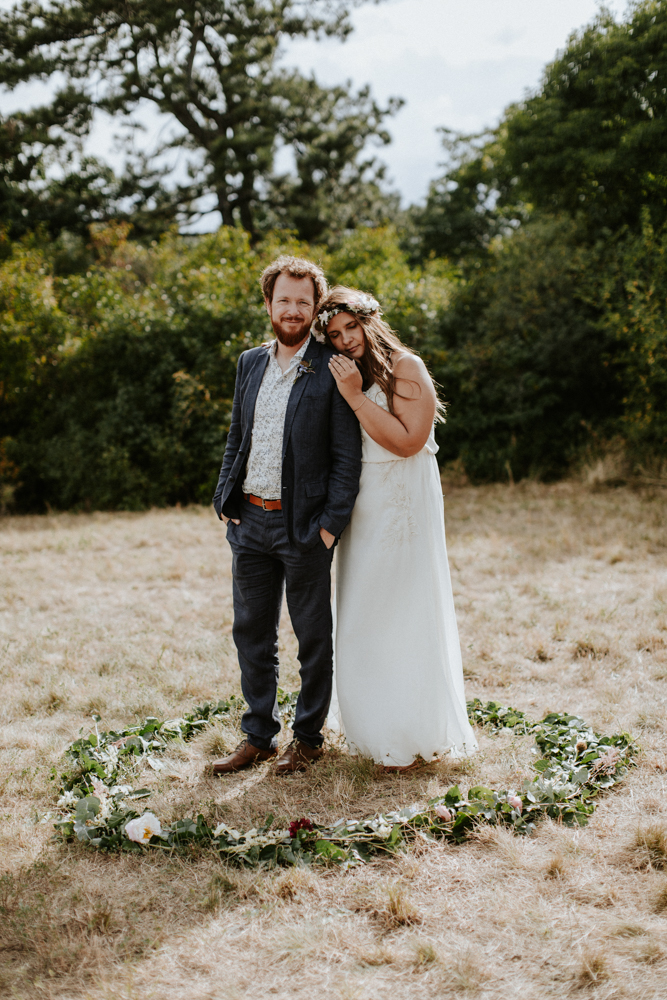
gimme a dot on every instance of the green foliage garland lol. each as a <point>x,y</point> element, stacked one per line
<point>575,765</point>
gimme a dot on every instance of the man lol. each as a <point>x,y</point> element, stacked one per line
<point>289,479</point>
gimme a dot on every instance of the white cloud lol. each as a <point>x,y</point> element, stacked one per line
<point>457,64</point>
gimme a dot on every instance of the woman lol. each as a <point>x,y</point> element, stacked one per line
<point>399,677</point>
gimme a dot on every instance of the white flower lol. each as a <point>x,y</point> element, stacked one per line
<point>515,802</point>
<point>102,793</point>
<point>366,304</point>
<point>142,829</point>
<point>67,799</point>
<point>220,828</point>
<point>444,813</point>
<point>120,790</point>
<point>361,305</point>
<point>106,808</point>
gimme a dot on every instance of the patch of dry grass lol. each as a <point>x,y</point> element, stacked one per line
<point>561,594</point>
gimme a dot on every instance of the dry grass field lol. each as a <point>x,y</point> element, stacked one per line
<point>562,601</point>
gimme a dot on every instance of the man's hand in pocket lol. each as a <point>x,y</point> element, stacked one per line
<point>228,519</point>
<point>327,537</point>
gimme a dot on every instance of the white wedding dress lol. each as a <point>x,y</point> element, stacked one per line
<point>398,672</point>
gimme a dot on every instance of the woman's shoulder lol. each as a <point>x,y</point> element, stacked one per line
<point>412,377</point>
<point>405,361</point>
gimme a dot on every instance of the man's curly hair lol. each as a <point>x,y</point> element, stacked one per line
<point>295,267</point>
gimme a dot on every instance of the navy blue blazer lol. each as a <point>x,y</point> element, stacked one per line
<point>321,448</point>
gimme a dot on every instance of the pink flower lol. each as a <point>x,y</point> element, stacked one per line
<point>515,802</point>
<point>444,813</point>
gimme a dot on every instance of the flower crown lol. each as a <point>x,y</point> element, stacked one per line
<point>363,305</point>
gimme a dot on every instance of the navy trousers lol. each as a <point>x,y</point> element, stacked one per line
<point>264,566</point>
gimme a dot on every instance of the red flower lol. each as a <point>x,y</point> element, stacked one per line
<point>299,824</point>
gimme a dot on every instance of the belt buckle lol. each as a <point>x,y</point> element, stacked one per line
<point>264,507</point>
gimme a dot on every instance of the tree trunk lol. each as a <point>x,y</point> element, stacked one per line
<point>224,207</point>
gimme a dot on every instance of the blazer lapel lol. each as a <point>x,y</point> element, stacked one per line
<point>252,388</point>
<point>297,390</point>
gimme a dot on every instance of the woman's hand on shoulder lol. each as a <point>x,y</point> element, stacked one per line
<point>348,379</point>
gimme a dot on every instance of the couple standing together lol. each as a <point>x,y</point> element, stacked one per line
<point>331,441</point>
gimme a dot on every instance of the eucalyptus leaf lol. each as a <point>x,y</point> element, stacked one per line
<point>326,849</point>
<point>87,808</point>
<point>563,788</point>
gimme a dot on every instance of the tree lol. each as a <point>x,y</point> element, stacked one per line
<point>471,203</point>
<point>83,190</point>
<point>592,143</point>
<point>116,381</point>
<point>29,143</point>
<point>525,359</point>
<point>593,140</point>
<point>332,190</point>
<point>212,66</point>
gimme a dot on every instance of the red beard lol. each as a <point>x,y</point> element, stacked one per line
<point>290,338</point>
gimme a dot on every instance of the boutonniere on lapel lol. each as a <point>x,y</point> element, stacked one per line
<point>304,368</point>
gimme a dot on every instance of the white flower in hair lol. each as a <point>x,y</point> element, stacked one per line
<point>367,305</point>
<point>362,305</point>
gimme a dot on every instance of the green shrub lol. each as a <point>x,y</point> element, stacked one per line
<point>525,360</point>
<point>133,409</point>
<point>117,382</point>
<point>629,286</point>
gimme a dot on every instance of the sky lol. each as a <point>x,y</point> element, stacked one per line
<point>456,63</point>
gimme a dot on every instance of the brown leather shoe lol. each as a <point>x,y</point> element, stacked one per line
<point>244,755</point>
<point>297,757</point>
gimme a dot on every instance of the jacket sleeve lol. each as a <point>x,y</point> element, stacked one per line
<point>345,444</point>
<point>234,438</point>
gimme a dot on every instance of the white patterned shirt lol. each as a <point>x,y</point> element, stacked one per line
<point>265,461</point>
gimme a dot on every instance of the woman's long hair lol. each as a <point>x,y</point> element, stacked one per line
<point>381,342</point>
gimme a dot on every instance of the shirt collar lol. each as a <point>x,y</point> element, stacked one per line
<point>297,357</point>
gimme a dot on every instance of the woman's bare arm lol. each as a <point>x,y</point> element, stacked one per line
<point>414,402</point>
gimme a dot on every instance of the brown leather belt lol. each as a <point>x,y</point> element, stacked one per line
<point>264,504</point>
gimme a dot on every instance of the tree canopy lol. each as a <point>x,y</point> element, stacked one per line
<point>472,202</point>
<point>212,66</point>
<point>590,143</point>
<point>593,140</point>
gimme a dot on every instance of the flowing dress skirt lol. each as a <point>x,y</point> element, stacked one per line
<point>398,671</point>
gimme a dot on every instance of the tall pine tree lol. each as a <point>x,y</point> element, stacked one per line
<point>211,65</point>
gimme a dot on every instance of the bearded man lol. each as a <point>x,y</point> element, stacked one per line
<point>289,479</point>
